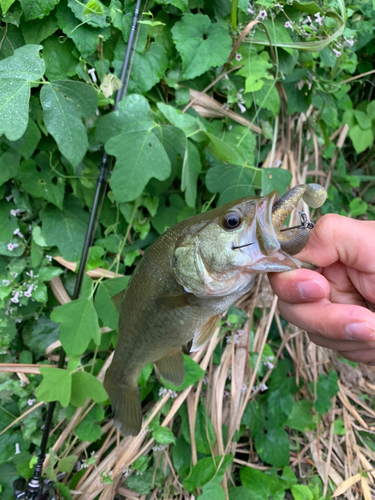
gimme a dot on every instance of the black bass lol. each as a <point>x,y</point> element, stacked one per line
<point>188,278</point>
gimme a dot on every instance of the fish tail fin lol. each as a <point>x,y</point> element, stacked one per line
<point>126,403</point>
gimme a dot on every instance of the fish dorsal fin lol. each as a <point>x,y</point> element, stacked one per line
<point>205,333</point>
<point>171,301</point>
<point>117,300</point>
<point>171,367</point>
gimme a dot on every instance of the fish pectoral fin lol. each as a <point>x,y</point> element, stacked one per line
<point>117,300</point>
<point>169,302</point>
<point>171,367</point>
<point>206,332</point>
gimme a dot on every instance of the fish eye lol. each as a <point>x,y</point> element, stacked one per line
<point>231,220</point>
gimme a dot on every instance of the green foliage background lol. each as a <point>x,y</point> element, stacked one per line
<point>59,60</point>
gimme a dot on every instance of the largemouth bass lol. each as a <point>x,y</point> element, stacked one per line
<point>188,278</point>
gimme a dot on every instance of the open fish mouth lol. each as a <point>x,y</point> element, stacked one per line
<point>293,240</point>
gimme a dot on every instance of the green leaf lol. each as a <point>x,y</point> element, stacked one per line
<point>104,305</point>
<point>205,470</point>
<point>37,9</point>
<point>339,428</point>
<point>27,144</point>
<point>357,206</point>
<point>88,429</point>
<point>190,172</point>
<point>56,386</point>
<point>65,228</point>
<point>168,216</point>
<point>256,68</point>
<point>9,162</point>
<point>193,373</point>
<point>267,97</point>
<point>163,435</point>
<point>16,73</point>
<point>212,491</point>
<point>273,447</point>
<point>139,157</point>
<point>60,62</point>
<point>41,181</point>
<point>21,461</point>
<point>363,120</point>
<point>39,29</point>
<point>5,4</point>
<point>201,44</point>
<point>147,68</point>
<point>181,456</point>
<point>232,182</point>
<point>300,417</point>
<point>362,139</point>
<point>92,13</point>
<point>78,325</point>
<point>64,104</point>
<point>326,388</point>
<point>85,385</point>
<point>204,433</point>
<point>185,122</point>
<point>41,334</point>
<point>257,482</point>
<point>371,110</point>
<point>253,418</point>
<point>66,464</point>
<point>240,492</point>
<point>275,178</point>
<point>301,492</point>
<point>64,491</point>
<point>243,139</point>
<point>226,152</point>
<point>84,37</point>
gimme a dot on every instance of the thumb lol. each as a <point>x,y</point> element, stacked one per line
<point>335,237</point>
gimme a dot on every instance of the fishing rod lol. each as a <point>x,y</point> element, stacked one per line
<point>34,488</point>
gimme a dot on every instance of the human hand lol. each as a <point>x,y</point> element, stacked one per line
<point>332,303</point>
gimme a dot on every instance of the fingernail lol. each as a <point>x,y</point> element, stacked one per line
<point>310,289</point>
<point>359,331</point>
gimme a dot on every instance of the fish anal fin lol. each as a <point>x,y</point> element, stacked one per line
<point>171,367</point>
<point>117,300</point>
<point>205,333</point>
<point>169,302</point>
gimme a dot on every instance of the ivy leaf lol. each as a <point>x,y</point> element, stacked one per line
<point>16,73</point>
<point>104,305</point>
<point>56,386</point>
<point>205,470</point>
<point>212,491</point>
<point>78,325</point>
<point>275,178</point>
<point>92,13</point>
<point>256,68</point>
<point>39,9</point>
<point>147,69</point>
<point>88,429</point>
<point>243,139</point>
<point>190,171</point>
<point>267,97</point>
<point>85,38</point>
<point>64,103</point>
<point>9,163</point>
<point>362,139</point>
<point>226,152</point>
<point>232,182</point>
<point>85,385</point>
<point>59,58</point>
<point>39,29</point>
<point>326,388</point>
<point>139,157</point>
<point>65,228</point>
<point>163,435</point>
<point>201,44</point>
<point>186,123</point>
<point>41,182</point>
<point>273,447</point>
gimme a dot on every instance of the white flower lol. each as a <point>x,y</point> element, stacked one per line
<point>281,7</point>
<point>349,41</point>
<point>6,282</point>
<point>307,20</point>
<point>288,24</point>
<point>162,391</point>
<point>11,246</point>
<point>226,106</point>
<point>126,472</point>
<point>336,52</point>
<point>30,402</point>
<point>17,449</point>
<point>14,299</point>
<point>240,333</point>
<point>28,291</point>
<point>92,73</point>
<point>244,389</point>
<point>263,387</point>
<point>318,19</point>
<point>173,394</point>
<point>242,107</point>
<point>269,365</point>
<point>17,232</point>
<point>262,14</point>
<point>238,57</point>
<point>48,257</point>
<point>226,393</point>
<point>250,9</point>
<point>230,127</point>
<point>8,198</point>
<point>16,212</point>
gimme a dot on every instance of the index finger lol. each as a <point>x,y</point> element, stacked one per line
<point>335,237</point>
